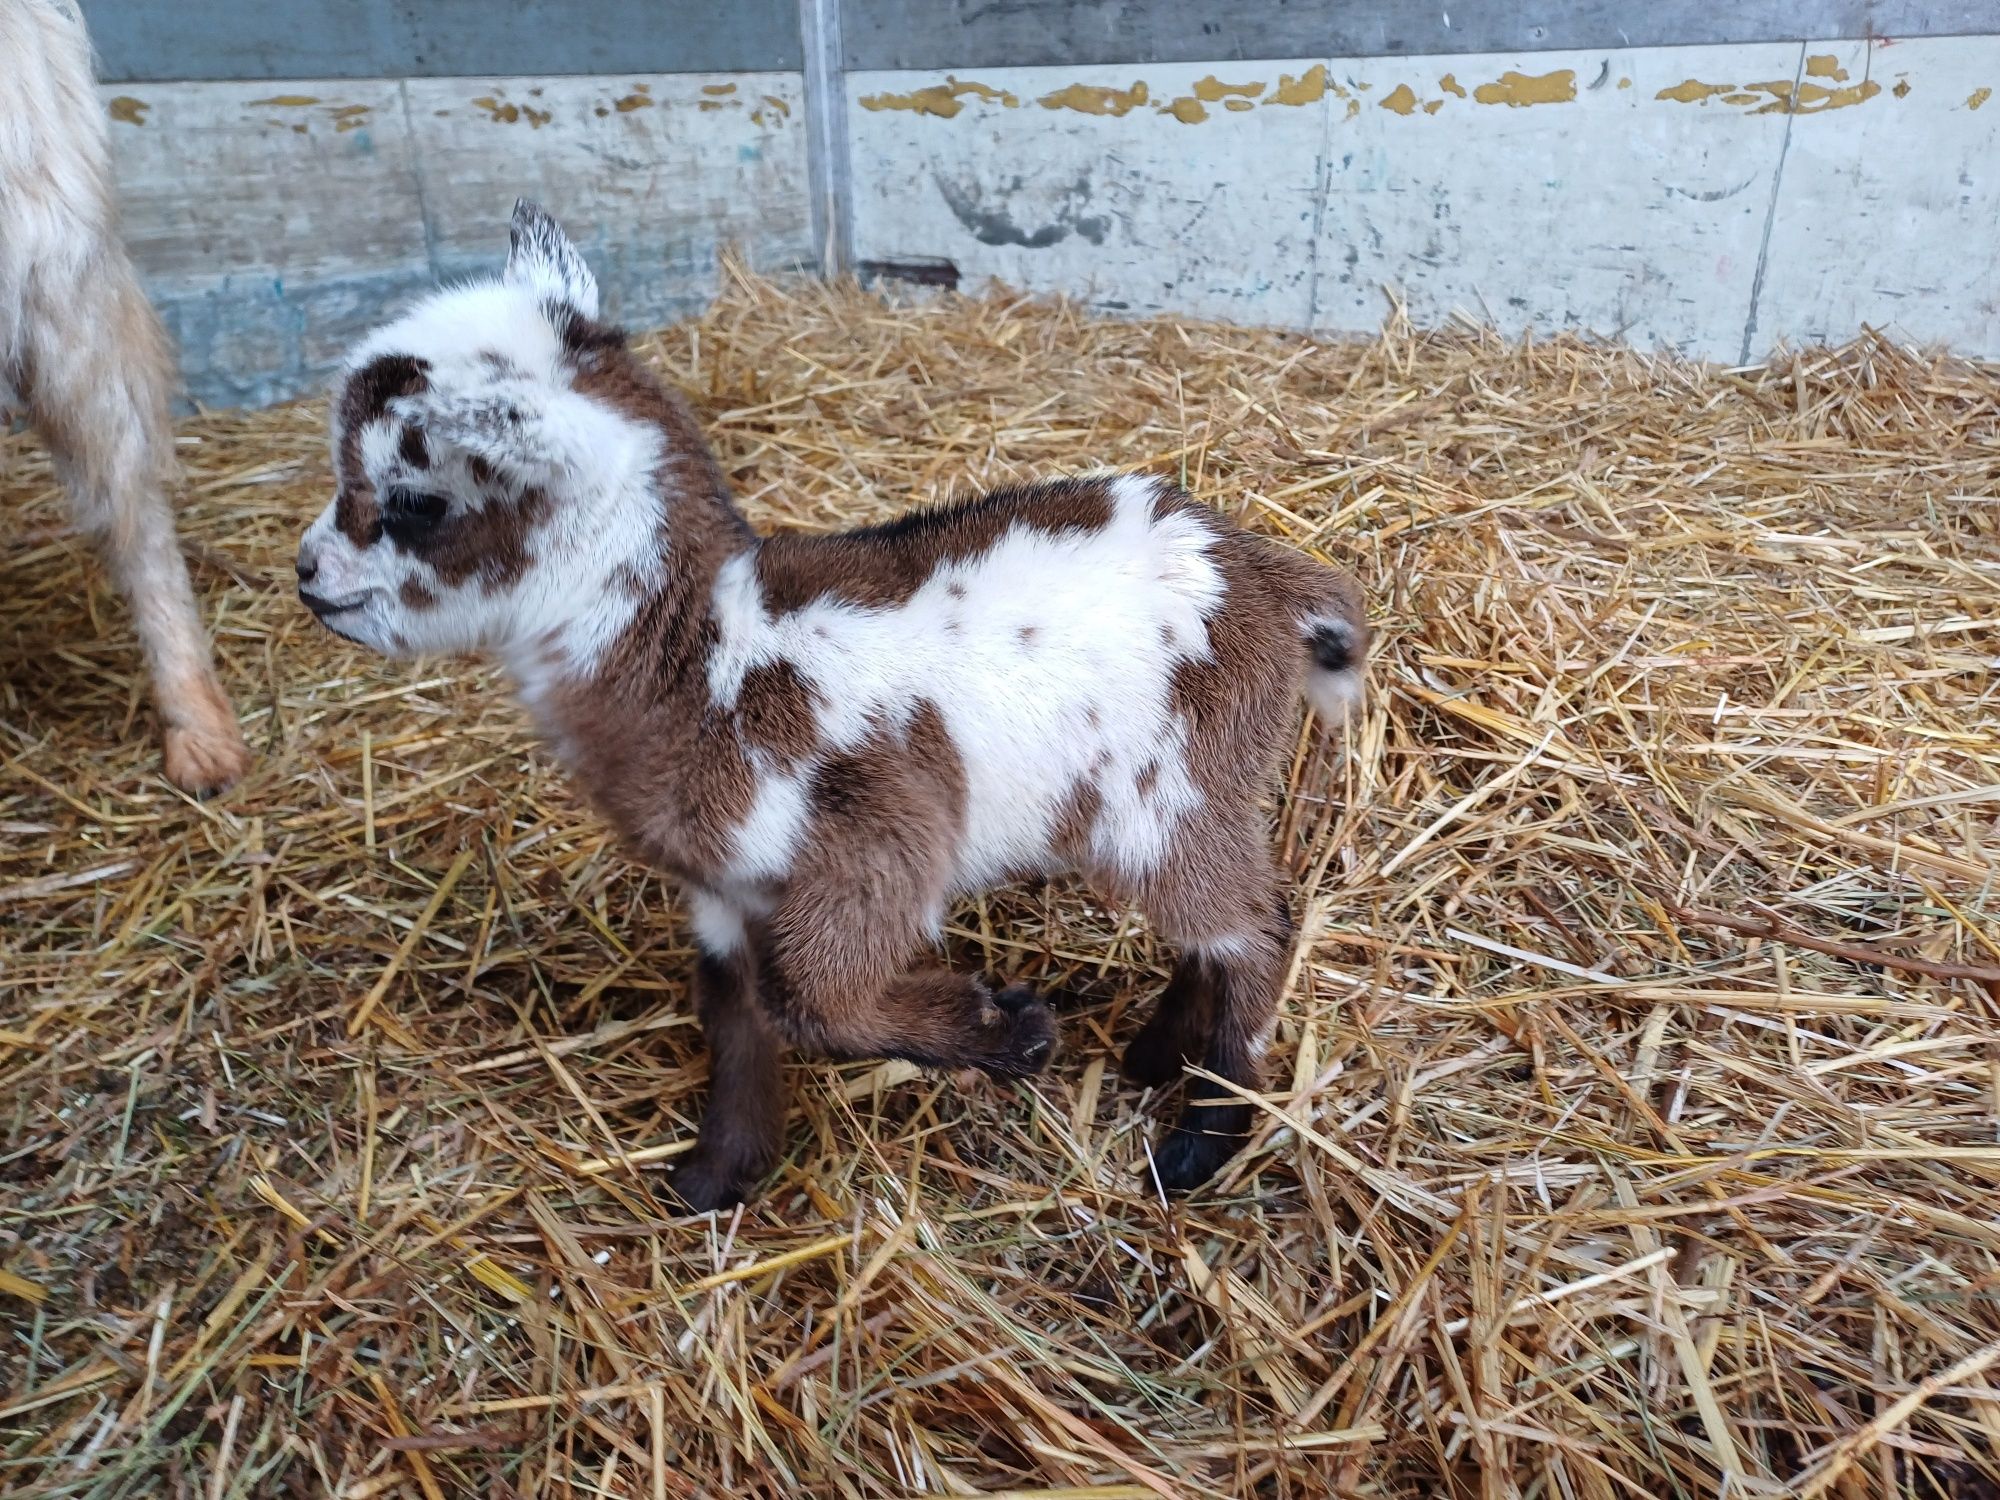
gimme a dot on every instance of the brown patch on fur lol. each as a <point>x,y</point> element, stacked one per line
<point>645,721</point>
<point>1240,698</point>
<point>1026,635</point>
<point>775,708</point>
<point>668,773</point>
<point>882,566</point>
<point>912,779</point>
<point>416,594</point>
<point>413,449</point>
<point>606,370</point>
<point>930,746</point>
<point>365,398</point>
<point>489,544</point>
<point>1075,817</point>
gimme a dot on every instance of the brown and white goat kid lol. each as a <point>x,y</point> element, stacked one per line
<point>84,352</point>
<point>829,738</point>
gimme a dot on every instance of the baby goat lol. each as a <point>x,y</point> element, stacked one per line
<point>85,353</point>
<point>829,738</point>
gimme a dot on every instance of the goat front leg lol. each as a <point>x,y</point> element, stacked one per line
<point>743,1125</point>
<point>838,980</point>
<point>98,374</point>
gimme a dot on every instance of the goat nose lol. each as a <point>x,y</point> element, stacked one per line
<point>307,566</point>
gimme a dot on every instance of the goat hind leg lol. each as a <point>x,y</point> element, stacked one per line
<point>98,376</point>
<point>1217,1012</point>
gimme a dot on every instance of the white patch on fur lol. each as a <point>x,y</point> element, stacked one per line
<point>718,924</point>
<point>741,628</point>
<point>770,832</point>
<point>1229,946</point>
<point>1101,607</point>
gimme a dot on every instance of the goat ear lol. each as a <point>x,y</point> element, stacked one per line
<point>541,258</point>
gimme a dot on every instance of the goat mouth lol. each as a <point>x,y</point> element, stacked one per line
<point>322,606</point>
<point>326,610</point>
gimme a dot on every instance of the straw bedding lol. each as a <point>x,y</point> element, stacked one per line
<point>1634,1121</point>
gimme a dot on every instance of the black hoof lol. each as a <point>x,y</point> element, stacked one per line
<point>1025,1034</point>
<point>1188,1158</point>
<point>706,1184</point>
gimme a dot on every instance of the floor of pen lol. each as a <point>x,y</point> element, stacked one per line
<point>1632,1115</point>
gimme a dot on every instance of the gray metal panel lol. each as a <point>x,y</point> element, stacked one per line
<point>932,34</point>
<point>154,41</point>
<point>828,160</point>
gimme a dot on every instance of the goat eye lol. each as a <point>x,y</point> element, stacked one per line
<point>405,510</point>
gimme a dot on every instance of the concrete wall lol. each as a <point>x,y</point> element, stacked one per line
<point>1682,174</point>
<point>275,221</point>
<point>1709,199</point>
<point>291,174</point>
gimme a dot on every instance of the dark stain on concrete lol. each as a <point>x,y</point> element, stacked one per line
<point>993,223</point>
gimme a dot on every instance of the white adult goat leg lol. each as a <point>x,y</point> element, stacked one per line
<point>86,354</point>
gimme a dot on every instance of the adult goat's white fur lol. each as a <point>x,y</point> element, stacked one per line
<point>84,352</point>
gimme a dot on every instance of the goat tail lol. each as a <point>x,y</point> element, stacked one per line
<point>1333,629</point>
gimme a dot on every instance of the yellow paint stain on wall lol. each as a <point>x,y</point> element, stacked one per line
<point>709,106</point>
<point>1186,109</point>
<point>1237,106</point>
<point>716,89</point>
<point>985,91</point>
<point>1212,90</point>
<point>1815,99</point>
<point>1451,85</point>
<point>127,110</point>
<point>1624,83</point>
<point>941,99</point>
<point>1776,96</point>
<point>1400,100</point>
<point>287,101</point>
<point>1308,88</point>
<point>631,102</point>
<point>1826,65</point>
<point>784,110</point>
<point>1433,106</point>
<point>1977,97</point>
<point>1087,99</point>
<point>1692,91</point>
<point>502,112</point>
<point>1902,89</point>
<point>1518,90</point>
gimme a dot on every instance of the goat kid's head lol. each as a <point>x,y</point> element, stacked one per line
<point>484,498</point>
